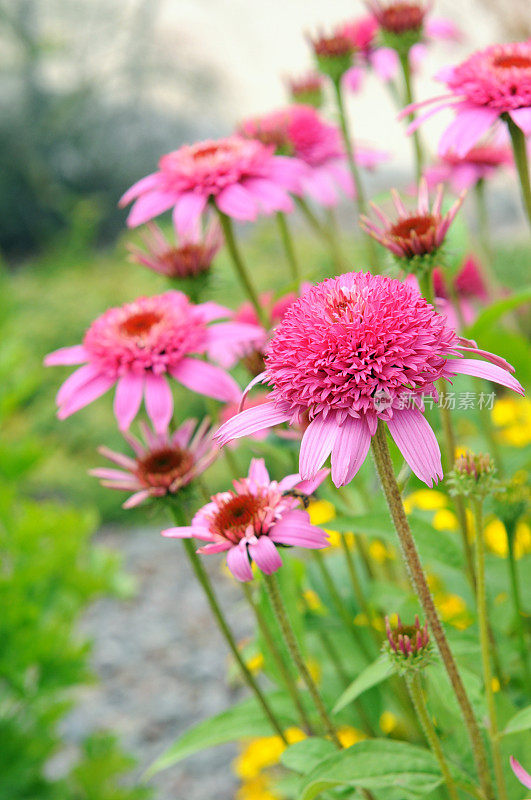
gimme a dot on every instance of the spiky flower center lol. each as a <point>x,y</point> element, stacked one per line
<point>401,17</point>
<point>235,515</point>
<point>204,152</point>
<point>138,325</point>
<point>161,467</point>
<point>512,61</point>
<point>334,46</point>
<point>420,225</point>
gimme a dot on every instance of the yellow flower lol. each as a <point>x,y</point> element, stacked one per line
<point>334,538</point>
<point>314,668</point>
<point>453,610</point>
<point>259,754</point>
<point>388,722</point>
<point>522,540</point>
<point>445,520</point>
<point>496,537</point>
<point>460,451</point>
<point>349,736</point>
<point>425,499</point>
<point>258,788</point>
<point>313,601</point>
<point>380,553</point>
<point>495,683</point>
<point>513,415</point>
<point>255,663</point>
<point>321,512</point>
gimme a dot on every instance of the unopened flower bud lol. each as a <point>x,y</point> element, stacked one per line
<point>408,646</point>
<point>511,502</point>
<point>307,90</point>
<point>473,475</point>
<point>401,23</point>
<point>333,55</point>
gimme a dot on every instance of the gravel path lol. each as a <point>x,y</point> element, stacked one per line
<point>161,665</point>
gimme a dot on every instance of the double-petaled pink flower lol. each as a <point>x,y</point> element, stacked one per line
<point>163,465</point>
<point>241,177</point>
<point>138,345</point>
<point>300,131</point>
<point>489,84</point>
<point>252,520</point>
<point>353,351</point>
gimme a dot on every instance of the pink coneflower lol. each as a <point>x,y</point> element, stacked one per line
<point>241,177</point>
<point>521,774</point>
<point>230,410</point>
<point>253,519</point>
<point>163,465</point>
<point>188,258</point>
<point>414,234</point>
<point>490,83</point>
<point>307,89</point>
<point>138,345</point>
<point>408,646</point>
<point>469,290</point>
<point>354,350</point>
<point>463,172</point>
<point>300,131</point>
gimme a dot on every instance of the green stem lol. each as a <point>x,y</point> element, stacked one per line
<point>518,141</point>
<point>481,593</point>
<point>284,670</point>
<point>239,266</point>
<point>324,233</point>
<point>356,587</point>
<point>289,248</point>
<point>204,580</point>
<point>483,220</point>
<point>417,696</point>
<point>417,146</point>
<point>293,648</point>
<point>384,466</point>
<point>519,613</point>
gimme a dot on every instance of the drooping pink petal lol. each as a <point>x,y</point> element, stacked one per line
<point>442,28</point>
<point>353,78</point>
<point>385,63</point>
<point>295,529</point>
<point>204,378</point>
<point>66,356</point>
<point>304,487</point>
<point>226,339</point>
<point>417,443</point>
<point>523,775</point>
<point>109,474</point>
<point>187,213</point>
<point>287,172</point>
<point>210,311</point>
<point>75,381</point>
<point>159,401</point>
<point>84,395</point>
<point>146,184</point>
<point>350,449</point>
<point>258,472</point>
<point>482,369</point>
<point>470,124</point>
<point>183,532</point>
<point>136,499</point>
<point>316,445</point>
<point>127,398</point>
<point>238,563</point>
<point>266,555</point>
<point>522,118</point>
<point>319,185</point>
<point>215,547</point>
<point>149,206</point>
<point>269,195</point>
<point>249,421</point>
<point>237,202</point>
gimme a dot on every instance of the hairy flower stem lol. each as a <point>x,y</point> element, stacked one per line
<point>414,687</point>
<point>293,648</point>
<point>518,142</point>
<point>481,593</point>
<point>384,466</point>
<point>240,268</point>
<point>408,92</point>
<point>324,233</point>
<point>204,580</point>
<point>284,670</point>
<point>340,606</point>
<point>289,248</point>
<point>517,602</point>
<point>361,202</point>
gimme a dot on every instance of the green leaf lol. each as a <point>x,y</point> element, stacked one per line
<point>245,719</point>
<point>372,675</point>
<point>485,320</point>
<point>304,755</point>
<point>376,764</point>
<point>520,722</point>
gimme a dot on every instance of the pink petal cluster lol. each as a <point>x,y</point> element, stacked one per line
<point>242,177</point>
<point>416,233</point>
<point>463,172</point>
<point>137,345</point>
<point>189,257</point>
<point>353,351</point>
<point>161,466</point>
<point>488,84</point>
<point>252,520</point>
<point>300,131</point>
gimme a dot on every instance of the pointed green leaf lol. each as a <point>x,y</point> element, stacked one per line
<point>520,722</point>
<point>371,676</point>
<point>304,756</point>
<point>496,310</point>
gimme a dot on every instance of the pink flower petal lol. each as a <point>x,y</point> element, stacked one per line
<point>269,195</point>
<point>66,356</point>
<point>482,369</point>
<point>187,213</point>
<point>266,555</point>
<point>316,445</point>
<point>210,311</point>
<point>417,443</point>
<point>319,185</point>
<point>85,394</point>
<point>146,184</point>
<point>238,563</point>
<point>228,341</point>
<point>353,78</point>
<point>237,202</point>
<point>149,206</point>
<point>470,124</point>
<point>442,28</point>
<point>186,532</point>
<point>522,118</point>
<point>207,379</point>
<point>523,775</point>
<point>136,499</point>
<point>385,63</point>
<point>75,381</point>
<point>350,449</point>
<point>249,421</point>
<point>295,530</point>
<point>287,172</point>
<point>215,547</point>
<point>127,398</point>
<point>305,487</point>
<point>258,472</point>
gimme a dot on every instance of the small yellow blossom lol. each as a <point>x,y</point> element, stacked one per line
<point>445,520</point>
<point>460,451</point>
<point>255,663</point>
<point>428,499</point>
<point>349,736</point>
<point>496,537</point>
<point>388,722</point>
<point>259,788</point>
<point>334,538</point>
<point>314,668</point>
<point>453,610</point>
<point>312,599</point>
<point>522,540</point>
<point>495,683</point>
<point>264,752</point>
<point>513,416</point>
<point>321,512</point>
<point>380,553</point>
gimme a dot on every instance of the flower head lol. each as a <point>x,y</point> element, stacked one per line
<point>333,54</point>
<point>473,475</point>
<point>520,773</point>
<point>415,237</point>
<point>464,172</point>
<point>355,350</point>
<point>252,520</point>
<point>307,89</point>
<point>487,85</point>
<point>408,645</point>
<point>240,176</point>
<point>190,257</point>
<point>137,345</point>
<point>162,465</point>
<point>300,131</point>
